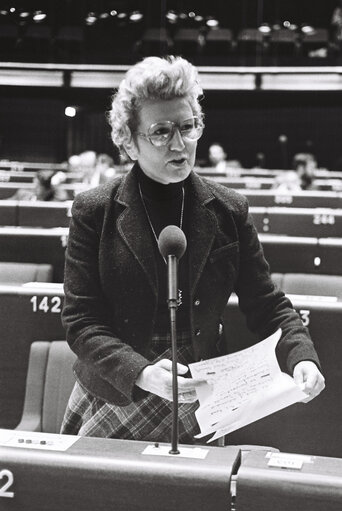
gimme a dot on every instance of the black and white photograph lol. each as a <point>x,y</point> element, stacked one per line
<point>170,255</point>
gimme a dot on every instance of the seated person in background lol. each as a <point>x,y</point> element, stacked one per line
<point>305,165</point>
<point>218,159</point>
<point>45,189</point>
<point>301,178</point>
<point>96,169</point>
<point>104,169</point>
<point>74,162</point>
<point>287,182</point>
<point>336,25</point>
<point>87,166</point>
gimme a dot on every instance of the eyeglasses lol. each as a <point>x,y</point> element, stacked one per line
<point>161,133</point>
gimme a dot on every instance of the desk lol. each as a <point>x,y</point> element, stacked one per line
<point>35,245</point>
<point>104,474</point>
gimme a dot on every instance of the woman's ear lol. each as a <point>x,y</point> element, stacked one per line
<point>131,149</point>
<point>130,145</point>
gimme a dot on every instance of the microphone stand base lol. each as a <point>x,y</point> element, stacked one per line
<point>183,452</point>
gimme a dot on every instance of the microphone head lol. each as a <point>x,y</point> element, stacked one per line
<point>172,241</point>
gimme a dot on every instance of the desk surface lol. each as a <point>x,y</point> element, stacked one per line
<point>107,474</point>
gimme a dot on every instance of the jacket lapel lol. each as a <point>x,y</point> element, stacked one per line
<point>133,226</point>
<point>202,228</point>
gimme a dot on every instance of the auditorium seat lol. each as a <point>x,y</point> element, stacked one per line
<point>49,382</point>
<point>283,43</point>
<point>219,42</point>
<point>316,39</point>
<point>155,41</point>
<point>250,43</point>
<point>27,312</point>
<point>309,284</point>
<point>187,41</point>
<point>19,273</point>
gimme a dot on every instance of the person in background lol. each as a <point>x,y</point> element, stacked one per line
<point>305,165</point>
<point>46,188</point>
<point>218,160</point>
<point>104,169</point>
<point>74,163</point>
<point>336,26</point>
<point>301,178</point>
<point>115,311</point>
<point>95,169</point>
<point>87,167</point>
<point>287,182</point>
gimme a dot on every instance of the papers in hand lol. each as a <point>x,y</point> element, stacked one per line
<point>242,388</point>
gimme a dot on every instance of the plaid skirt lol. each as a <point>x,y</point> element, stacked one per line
<point>149,419</point>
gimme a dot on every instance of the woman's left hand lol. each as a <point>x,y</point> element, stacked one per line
<point>309,378</point>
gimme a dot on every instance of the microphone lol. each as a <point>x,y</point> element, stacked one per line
<point>172,245</point>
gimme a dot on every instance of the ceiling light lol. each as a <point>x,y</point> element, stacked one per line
<point>70,111</point>
<point>307,29</point>
<point>212,22</point>
<point>171,17</point>
<point>39,16</point>
<point>91,18</point>
<point>136,16</point>
<point>265,28</point>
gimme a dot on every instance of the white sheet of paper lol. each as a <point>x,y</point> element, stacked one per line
<point>242,388</point>
<point>36,440</point>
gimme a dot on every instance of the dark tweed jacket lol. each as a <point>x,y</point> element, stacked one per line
<point>111,283</point>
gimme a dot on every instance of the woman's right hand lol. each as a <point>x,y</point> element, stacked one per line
<point>157,378</point>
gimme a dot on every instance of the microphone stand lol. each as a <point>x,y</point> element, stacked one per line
<point>172,265</point>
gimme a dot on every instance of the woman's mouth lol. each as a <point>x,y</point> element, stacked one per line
<point>178,161</point>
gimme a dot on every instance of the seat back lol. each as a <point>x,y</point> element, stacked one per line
<point>49,383</point>
<point>19,273</point>
<point>308,284</point>
<point>315,285</point>
<point>59,381</point>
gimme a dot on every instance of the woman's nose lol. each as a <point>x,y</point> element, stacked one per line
<point>176,142</point>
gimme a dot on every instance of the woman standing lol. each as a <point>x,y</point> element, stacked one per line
<point>115,312</point>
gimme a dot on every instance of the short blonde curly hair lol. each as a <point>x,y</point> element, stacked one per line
<point>153,78</point>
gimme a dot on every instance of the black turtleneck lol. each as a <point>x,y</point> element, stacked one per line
<point>164,204</point>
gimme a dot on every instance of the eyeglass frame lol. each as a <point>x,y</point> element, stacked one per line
<point>174,126</point>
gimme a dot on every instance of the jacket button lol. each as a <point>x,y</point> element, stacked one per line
<point>197,302</point>
<point>197,331</point>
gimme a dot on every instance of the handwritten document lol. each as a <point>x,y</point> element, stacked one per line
<point>242,387</point>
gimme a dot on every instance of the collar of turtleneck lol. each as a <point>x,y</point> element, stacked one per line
<point>157,191</point>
